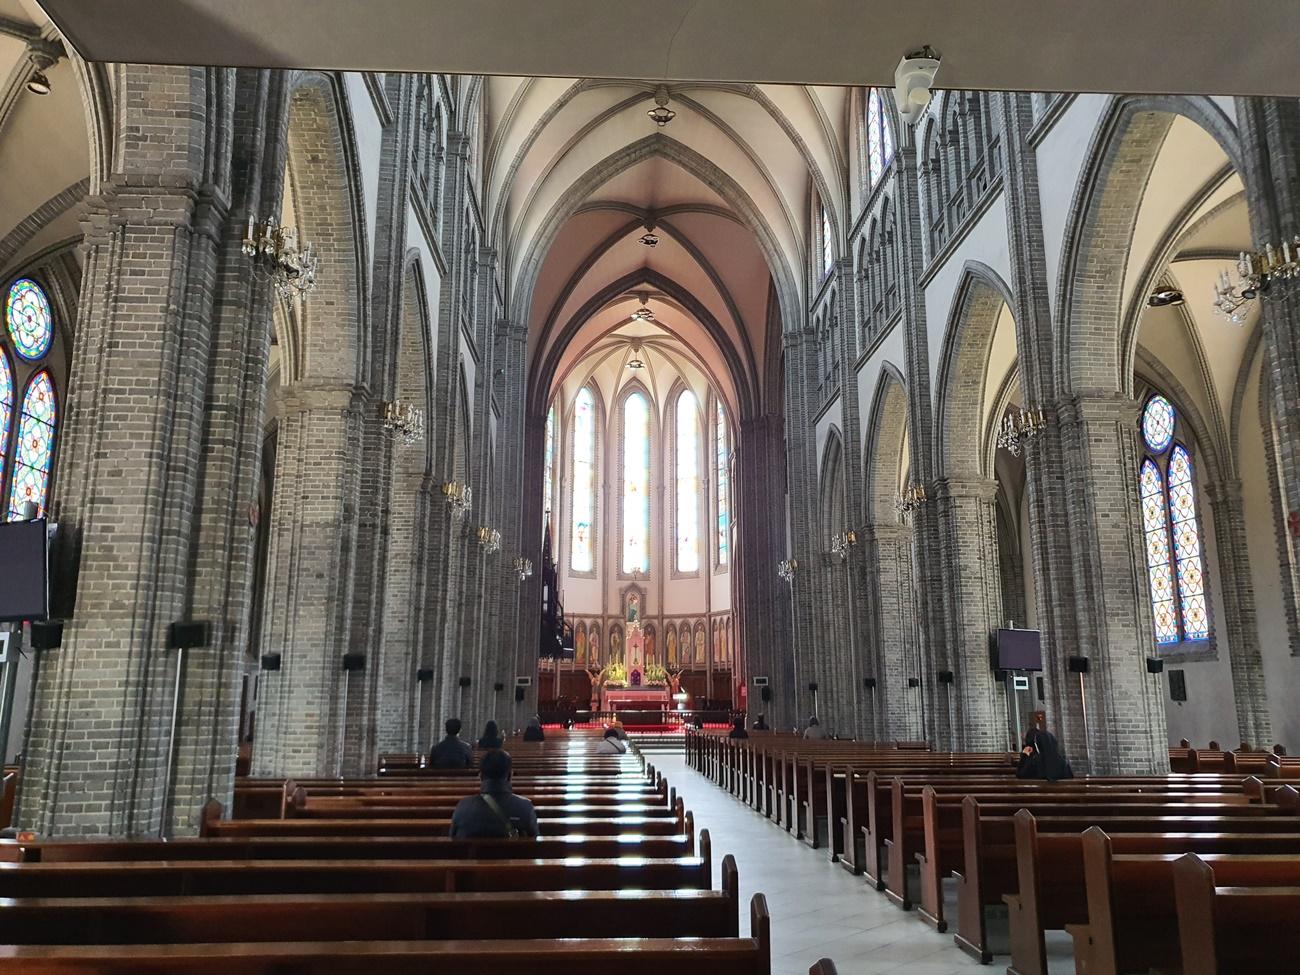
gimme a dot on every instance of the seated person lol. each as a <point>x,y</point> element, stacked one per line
<point>1041,758</point>
<point>761,724</point>
<point>491,736</point>
<point>611,744</point>
<point>534,730</point>
<point>452,752</point>
<point>738,729</point>
<point>496,812</point>
<point>814,731</point>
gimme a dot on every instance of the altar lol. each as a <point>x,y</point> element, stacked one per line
<point>651,699</point>
<point>636,689</point>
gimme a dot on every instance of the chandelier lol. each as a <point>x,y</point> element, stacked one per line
<point>786,569</point>
<point>275,254</point>
<point>841,542</point>
<point>403,421</point>
<point>911,499</point>
<point>1018,428</point>
<point>489,539</point>
<point>1256,273</point>
<point>661,114</point>
<point>523,568</point>
<point>459,497</point>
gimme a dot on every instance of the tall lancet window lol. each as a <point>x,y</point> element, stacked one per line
<point>582,541</point>
<point>724,484</point>
<point>1175,569</point>
<point>828,245</point>
<point>31,478</point>
<point>880,138</point>
<point>548,466</point>
<point>6,408</point>
<point>636,483</point>
<point>688,483</point>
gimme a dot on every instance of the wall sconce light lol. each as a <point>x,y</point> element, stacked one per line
<point>404,421</point>
<point>459,496</point>
<point>524,567</point>
<point>1018,428</point>
<point>841,542</point>
<point>911,499</point>
<point>275,253</point>
<point>787,568</point>
<point>489,539</point>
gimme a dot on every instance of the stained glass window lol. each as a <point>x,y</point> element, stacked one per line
<point>36,426</point>
<point>582,544</point>
<point>1173,539</point>
<point>6,409</point>
<point>548,464</point>
<point>31,324</point>
<point>828,250</point>
<point>880,139</point>
<point>688,483</point>
<point>724,483</point>
<point>636,483</point>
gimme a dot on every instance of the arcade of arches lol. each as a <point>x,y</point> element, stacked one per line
<point>842,310</point>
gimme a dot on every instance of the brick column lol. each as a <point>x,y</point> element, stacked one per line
<point>967,520</point>
<point>96,756</point>
<point>1126,730</point>
<point>309,579</point>
<point>893,636</point>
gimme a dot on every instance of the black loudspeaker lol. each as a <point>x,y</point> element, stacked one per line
<point>424,674</point>
<point>766,693</point>
<point>498,687</point>
<point>1155,665</point>
<point>913,682</point>
<point>1178,686</point>
<point>812,686</point>
<point>354,661</point>
<point>46,635</point>
<point>464,682</point>
<point>519,695</point>
<point>1042,691</point>
<point>1077,665</point>
<point>270,661</point>
<point>945,677</point>
<point>188,635</point>
<point>869,683</point>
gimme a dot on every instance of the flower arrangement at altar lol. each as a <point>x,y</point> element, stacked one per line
<point>655,675</point>
<point>614,675</point>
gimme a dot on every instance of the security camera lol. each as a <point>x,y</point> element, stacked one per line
<point>912,80</point>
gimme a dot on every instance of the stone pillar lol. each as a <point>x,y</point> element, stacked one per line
<point>973,593</point>
<point>1125,722</point>
<point>129,498</point>
<point>1234,580</point>
<point>300,722</point>
<point>896,708</point>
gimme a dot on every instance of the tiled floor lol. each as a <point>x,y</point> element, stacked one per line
<point>818,909</point>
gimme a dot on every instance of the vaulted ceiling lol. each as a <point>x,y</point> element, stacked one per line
<point>575,174</point>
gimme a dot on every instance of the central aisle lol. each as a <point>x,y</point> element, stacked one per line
<point>818,909</point>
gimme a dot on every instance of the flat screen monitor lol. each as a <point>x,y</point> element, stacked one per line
<point>1020,650</point>
<point>24,571</point>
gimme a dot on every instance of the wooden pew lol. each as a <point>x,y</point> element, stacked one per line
<point>378,917</point>
<point>1052,890</point>
<point>989,872</point>
<point>1226,928</point>
<point>628,956</point>
<point>1132,912</point>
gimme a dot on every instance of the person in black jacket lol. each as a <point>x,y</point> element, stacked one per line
<point>496,812</point>
<point>534,730</point>
<point>738,729</point>
<point>452,752</point>
<point>1041,758</point>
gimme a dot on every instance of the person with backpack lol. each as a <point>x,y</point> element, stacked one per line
<point>496,812</point>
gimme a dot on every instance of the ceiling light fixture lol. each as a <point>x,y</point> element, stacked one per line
<point>1165,298</point>
<point>643,314</point>
<point>38,83</point>
<point>661,114</point>
<point>650,238</point>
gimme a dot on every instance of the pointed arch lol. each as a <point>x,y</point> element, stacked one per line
<point>887,431</point>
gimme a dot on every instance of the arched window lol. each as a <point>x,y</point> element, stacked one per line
<point>548,465</point>
<point>36,428</point>
<point>582,542</point>
<point>880,138</point>
<point>724,483</point>
<point>1168,490</point>
<point>828,249</point>
<point>30,321</point>
<point>636,483</point>
<point>688,484</point>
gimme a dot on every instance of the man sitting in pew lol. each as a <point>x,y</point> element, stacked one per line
<point>452,752</point>
<point>496,812</point>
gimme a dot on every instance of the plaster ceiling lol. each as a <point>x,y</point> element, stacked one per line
<point>1028,45</point>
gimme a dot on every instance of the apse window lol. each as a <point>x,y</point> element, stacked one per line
<point>1175,566</point>
<point>636,484</point>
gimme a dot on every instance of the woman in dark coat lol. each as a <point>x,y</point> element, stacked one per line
<point>491,736</point>
<point>1041,758</point>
